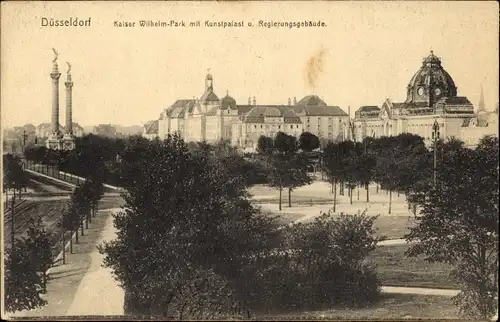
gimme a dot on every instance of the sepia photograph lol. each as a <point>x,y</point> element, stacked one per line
<point>249,160</point>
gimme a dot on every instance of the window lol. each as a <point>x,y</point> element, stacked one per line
<point>308,119</point>
<point>261,126</point>
<point>255,126</point>
<point>279,126</point>
<point>330,126</point>
<point>330,118</point>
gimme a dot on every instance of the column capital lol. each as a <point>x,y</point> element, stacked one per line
<point>55,75</point>
<point>69,85</point>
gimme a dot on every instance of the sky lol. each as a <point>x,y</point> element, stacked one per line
<point>367,52</point>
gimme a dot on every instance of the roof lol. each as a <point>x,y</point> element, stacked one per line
<point>318,110</point>
<point>48,126</point>
<point>77,126</point>
<point>228,102</point>
<point>260,112</point>
<point>312,105</point>
<point>178,109</point>
<point>311,100</point>
<point>209,96</point>
<point>456,100</point>
<point>151,127</point>
<point>369,108</point>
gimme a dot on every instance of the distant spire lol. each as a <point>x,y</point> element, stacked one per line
<point>249,100</point>
<point>289,101</point>
<point>227,92</point>
<point>480,107</point>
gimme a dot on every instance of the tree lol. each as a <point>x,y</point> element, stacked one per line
<point>297,175</point>
<point>81,206</point>
<point>265,145</point>
<point>330,260</point>
<point>38,244</point>
<point>21,280</point>
<point>285,144</point>
<point>186,220</point>
<point>308,141</point>
<point>459,224</point>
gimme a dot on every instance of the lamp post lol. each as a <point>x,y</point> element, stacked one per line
<point>435,137</point>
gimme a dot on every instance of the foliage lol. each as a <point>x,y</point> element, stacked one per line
<point>14,176</point>
<point>459,223</point>
<point>326,264</point>
<point>265,145</point>
<point>189,229</point>
<point>38,244</point>
<point>21,280</point>
<point>308,141</point>
<point>285,144</point>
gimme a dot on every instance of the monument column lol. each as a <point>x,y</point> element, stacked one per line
<point>69,102</point>
<point>55,97</point>
<point>54,139</point>
<point>68,139</point>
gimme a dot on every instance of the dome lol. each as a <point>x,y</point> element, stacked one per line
<point>228,102</point>
<point>433,75</point>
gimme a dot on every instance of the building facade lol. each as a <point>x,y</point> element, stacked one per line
<point>431,97</point>
<point>212,119</point>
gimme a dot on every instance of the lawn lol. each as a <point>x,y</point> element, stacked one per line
<point>390,306</point>
<point>395,269</point>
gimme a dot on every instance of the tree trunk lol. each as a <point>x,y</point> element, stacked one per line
<point>367,192</point>
<point>44,277</point>
<point>334,195</point>
<point>87,221</point>
<point>289,197</point>
<point>81,225</point>
<point>280,199</point>
<point>71,241</point>
<point>76,236</point>
<point>350,194</point>
<point>358,191</point>
<point>377,188</point>
<point>63,249</point>
<point>390,200</point>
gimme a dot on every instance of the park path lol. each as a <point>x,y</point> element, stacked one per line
<point>98,292</point>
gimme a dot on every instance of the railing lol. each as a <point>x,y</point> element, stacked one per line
<point>64,176</point>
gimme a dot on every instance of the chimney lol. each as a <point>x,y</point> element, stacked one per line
<point>294,100</point>
<point>254,101</point>
<point>289,101</point>
<point>69,102</point>
<point>249,100</point>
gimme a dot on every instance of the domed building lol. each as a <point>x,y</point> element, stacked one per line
<point>211,119</point>
<point>431,96</point>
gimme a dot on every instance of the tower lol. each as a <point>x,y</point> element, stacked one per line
<point>209,82</point>
<point>68,139</point>
<point>54,139</point>
<point>480,106</point>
